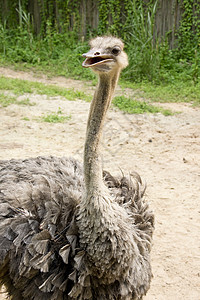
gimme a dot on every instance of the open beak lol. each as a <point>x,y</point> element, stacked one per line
<point>93,59</point>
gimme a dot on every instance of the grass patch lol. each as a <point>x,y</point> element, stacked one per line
<point>57,117</point>
<point>176,92</point>
<point>25,119</point>
<point>131,106</point>
<point>25,102</point>
<point>6,100</point>
<point>21,87</point>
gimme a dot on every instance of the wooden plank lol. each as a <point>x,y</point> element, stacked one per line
<point>167,20</point>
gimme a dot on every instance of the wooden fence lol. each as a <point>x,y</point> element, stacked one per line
<point>167,19</point>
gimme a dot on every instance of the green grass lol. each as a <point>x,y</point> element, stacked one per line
<point>25,119</point>
<point>6,100</point>
<point>179,91</point>
<point>176,92</point>
<point>168,74</point>
<point>132,106</point>
<point>21,87</point>
<point>57,117</point>
<point>25,102</point>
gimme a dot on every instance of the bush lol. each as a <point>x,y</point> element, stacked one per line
<point>149,59</point>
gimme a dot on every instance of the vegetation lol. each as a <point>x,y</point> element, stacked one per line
<point>131,106</point>
<point>57,117</point>
<point>179,91</point>
<point>157,71</point>
<point>21,87</point>
<point>6,100</point>
<point>25,119</point>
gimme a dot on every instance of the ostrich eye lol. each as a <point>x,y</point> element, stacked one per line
<point>116,50</point>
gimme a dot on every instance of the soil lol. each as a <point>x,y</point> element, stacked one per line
<point>165,151</point>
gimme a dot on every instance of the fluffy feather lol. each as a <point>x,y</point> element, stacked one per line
<point>38,231</point>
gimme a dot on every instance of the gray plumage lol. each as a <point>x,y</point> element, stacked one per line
<point>73,232</point>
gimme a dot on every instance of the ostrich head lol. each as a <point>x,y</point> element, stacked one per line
<point>106,55</point>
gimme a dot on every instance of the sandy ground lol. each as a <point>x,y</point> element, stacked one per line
<point>164,150</point>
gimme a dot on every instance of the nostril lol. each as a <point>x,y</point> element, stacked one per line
<point>97,53</point>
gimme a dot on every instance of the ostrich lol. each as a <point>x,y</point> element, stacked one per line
<point>68,232</point>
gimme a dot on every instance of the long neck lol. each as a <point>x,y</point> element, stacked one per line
<point>100,220</point>
<point>92,158</point>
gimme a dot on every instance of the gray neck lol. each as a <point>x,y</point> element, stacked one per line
<point>92,158</point>
<point>100,220</point>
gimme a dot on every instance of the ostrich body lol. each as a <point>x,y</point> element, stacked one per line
<point>68,232</point>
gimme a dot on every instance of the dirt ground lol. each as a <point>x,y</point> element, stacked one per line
<point>165,151</point>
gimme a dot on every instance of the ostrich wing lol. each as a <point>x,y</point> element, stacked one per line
<point>129,193</point>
